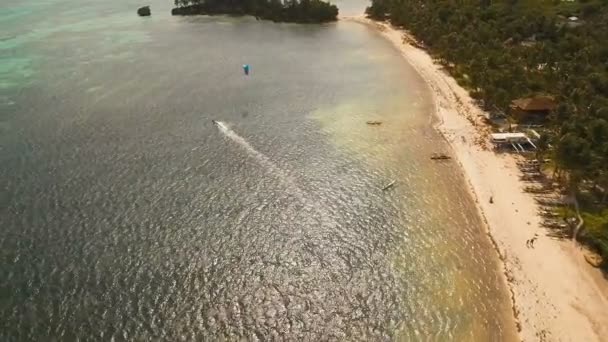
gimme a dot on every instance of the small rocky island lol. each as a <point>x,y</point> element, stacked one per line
<point>144,11</point>
<point>294,11</point>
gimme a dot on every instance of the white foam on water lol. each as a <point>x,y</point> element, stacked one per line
<point>286,179</point>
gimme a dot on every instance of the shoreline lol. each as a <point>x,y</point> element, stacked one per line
<point>554,295</point>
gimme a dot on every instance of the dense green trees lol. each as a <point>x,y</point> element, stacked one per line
<point>299,11</point>
<point>505,49</point>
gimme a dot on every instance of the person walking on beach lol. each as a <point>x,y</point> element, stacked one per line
<point>530,242</point>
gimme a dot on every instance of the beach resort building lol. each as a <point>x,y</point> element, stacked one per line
<point>532,109</point>
<point>520,142</point>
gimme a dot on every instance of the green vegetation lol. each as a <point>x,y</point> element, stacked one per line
<point>297,11</point>
<point>502,50</point>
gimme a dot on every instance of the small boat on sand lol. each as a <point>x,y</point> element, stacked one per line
<point>440,156</point>
<point>374,123</point>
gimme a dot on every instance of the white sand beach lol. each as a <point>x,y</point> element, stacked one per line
<point>556,295</point>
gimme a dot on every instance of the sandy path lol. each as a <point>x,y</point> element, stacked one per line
<point>557,296</point>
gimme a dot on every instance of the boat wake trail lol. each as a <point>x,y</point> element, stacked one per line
<point>259,156</point>
<point>286,179</point>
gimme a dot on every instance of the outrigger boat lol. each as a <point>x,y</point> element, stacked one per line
<point>389,185</point>
<point>440,156</point>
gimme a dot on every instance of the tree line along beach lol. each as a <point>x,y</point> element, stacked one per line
<point>516,67</point>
